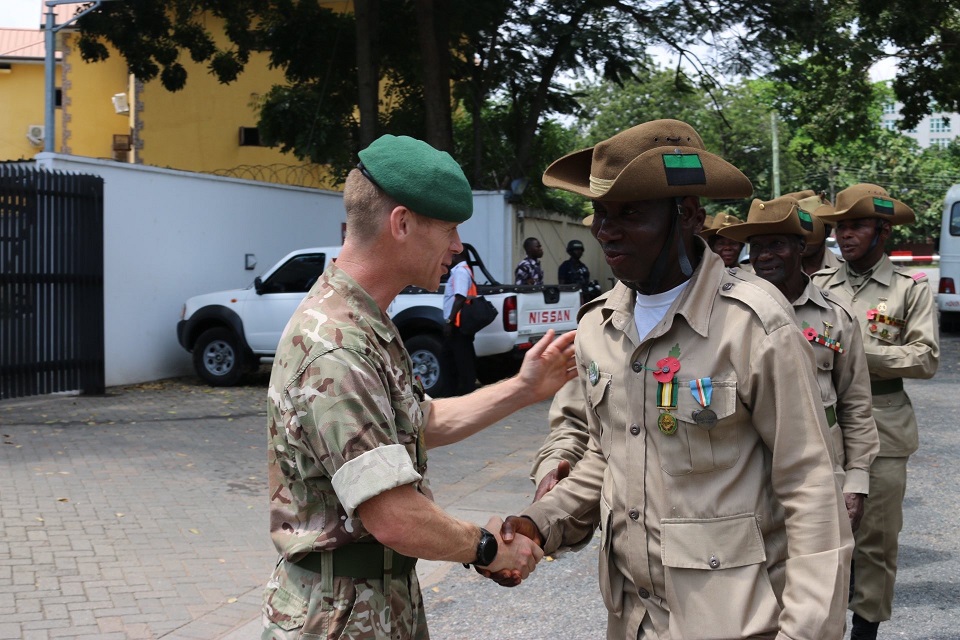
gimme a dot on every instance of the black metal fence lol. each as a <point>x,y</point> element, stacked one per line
<point>51,282</point>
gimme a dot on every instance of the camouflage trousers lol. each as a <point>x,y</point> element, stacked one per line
<point>297,606</point>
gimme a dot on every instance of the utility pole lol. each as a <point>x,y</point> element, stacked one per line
<point>51,28</point>
<point>776,154</point>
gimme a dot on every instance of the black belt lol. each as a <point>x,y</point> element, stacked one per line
<point>880,387</point>
<point>359,560</point>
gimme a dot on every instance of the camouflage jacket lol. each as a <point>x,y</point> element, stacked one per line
<point>345,417</point>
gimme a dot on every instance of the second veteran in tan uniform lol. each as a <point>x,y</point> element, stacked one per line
<point>708,466</point>
<point>775,232</point>
<point>899,325</point>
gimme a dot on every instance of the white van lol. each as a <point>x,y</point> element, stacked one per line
<point>948,298</point>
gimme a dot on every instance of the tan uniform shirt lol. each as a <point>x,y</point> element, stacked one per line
<point>844,384</point>
<point>901,341</point>
<point>830,260</point>
<point>695,525</point>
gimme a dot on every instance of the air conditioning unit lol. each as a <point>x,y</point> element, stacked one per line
<point>120,103</point>
<point>35,133</point>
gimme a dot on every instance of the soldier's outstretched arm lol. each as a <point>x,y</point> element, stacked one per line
<point>546,367</point>
<point>410,523</point>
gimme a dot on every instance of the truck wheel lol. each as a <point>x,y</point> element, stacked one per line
<point>950,321</point>
<point>495,368</point>
<point>426,351</point>
<point>218,357</point>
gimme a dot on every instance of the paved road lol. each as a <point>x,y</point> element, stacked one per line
<point>143,514</point>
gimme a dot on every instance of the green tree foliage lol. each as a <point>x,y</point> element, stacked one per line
<point>734,121</point>
<point>510,52</point>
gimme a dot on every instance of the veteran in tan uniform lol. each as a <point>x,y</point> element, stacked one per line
<point>817,256</point>
<point>349,424</point>
<point>775,233</point>
<point>725,247</point>
<point>708,454</point>
<point>899,325</point>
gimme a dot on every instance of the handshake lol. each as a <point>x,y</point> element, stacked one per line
<point>520,544</point>
<point>519,549</point>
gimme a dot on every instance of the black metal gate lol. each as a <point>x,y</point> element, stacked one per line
<point>51,282</point>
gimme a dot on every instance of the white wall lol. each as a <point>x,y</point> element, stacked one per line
<point>490,230</point>
<point>169,235</point>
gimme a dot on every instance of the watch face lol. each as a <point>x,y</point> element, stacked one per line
<point>487,548</point>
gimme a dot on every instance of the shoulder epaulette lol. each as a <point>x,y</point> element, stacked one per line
<point>836,302</point>
<point>600,299</point>
<point>766,302</point>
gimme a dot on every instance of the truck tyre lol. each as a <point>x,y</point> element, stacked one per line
<point>495,368</point>
<point>218,357</point>
<point>426,351</point>
<point>950,321</point>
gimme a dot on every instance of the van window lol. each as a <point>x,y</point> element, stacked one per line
<point>955,219</point>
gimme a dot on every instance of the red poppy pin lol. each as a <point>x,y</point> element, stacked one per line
<point>668,367</point>
<point>810,333</point>
<point>871,314</point>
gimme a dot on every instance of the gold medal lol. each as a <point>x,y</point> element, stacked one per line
<point>667,424</point>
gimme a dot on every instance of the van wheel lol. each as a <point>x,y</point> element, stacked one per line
<point>218,357</point>
<point>426,351</point>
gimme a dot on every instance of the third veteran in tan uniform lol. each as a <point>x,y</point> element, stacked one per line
<point>708,466</point>
<point>899,325</point>
<point>775,233</point>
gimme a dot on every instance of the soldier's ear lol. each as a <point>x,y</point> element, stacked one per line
<point>885,229</point>
<point>401,222</point>
<point>691,213</point>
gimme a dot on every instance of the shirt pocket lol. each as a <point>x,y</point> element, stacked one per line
<point>701,448</point>
<point>605,411</point>
<point>610,578</point>
<point>717,560</point>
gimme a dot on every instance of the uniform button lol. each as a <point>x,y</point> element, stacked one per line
<point>635,429</point>
<point>714,563</point>
<point>634,514</point>
<point>637,367</point>
<point>727,286</point>
<point>643,593</point>
<point>826,294</point>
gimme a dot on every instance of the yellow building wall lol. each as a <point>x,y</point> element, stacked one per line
<point>21,105</point>
<point>197,128</point>
<point>90,120</point>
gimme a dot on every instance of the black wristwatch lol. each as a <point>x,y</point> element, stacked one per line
<point>486,549</point>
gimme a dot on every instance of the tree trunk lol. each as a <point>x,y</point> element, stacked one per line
<point>432,22</point>
<point>368,72</point>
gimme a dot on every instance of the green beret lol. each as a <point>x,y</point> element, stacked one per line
<point>421,178</point>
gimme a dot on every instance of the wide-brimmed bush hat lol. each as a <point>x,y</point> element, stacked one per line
<point>866,200</point>
<point>717,222</point>
<point>658,159</point>
<point>781,215</point>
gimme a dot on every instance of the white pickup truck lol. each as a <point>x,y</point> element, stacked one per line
<point>230,332</point>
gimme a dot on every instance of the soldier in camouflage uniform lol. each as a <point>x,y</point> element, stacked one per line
<point>349,423</point>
